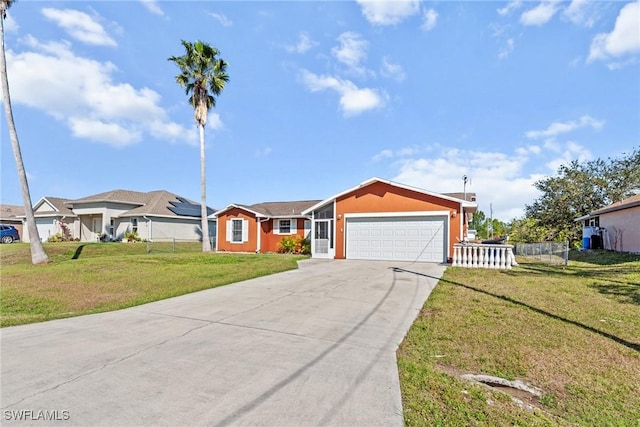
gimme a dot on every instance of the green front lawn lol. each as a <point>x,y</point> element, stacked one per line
<point>573,332</point>
<point>95,277</point>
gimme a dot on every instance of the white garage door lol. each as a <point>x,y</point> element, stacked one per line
<point>397,239</point>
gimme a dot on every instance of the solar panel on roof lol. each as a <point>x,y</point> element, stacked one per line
<point>183,207</point>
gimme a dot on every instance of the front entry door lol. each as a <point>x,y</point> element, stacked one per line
<point>323,239</point>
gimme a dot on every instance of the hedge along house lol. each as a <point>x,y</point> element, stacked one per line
<point>261,227</point>
<point>384,220</point>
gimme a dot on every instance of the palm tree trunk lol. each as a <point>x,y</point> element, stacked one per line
<point>206,243</point>
<point>38,255</point>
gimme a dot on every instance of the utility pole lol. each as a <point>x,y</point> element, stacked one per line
<point>491,219</point>
<point>464,186</point>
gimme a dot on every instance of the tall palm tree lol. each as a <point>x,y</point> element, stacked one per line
<point>38,255</point>
<point>203,76</point>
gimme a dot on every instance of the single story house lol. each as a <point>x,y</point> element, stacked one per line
<point>261,227</point>
<point>12,215</point>
<point>376,220</point>
<point>617,224</point>
<point>154,215</point>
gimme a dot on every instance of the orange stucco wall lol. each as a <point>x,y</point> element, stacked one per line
<point>268,240</point>
<point>235,213</point>
<point>380,197</point>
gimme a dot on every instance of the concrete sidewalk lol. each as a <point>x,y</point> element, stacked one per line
<point>314,346</point>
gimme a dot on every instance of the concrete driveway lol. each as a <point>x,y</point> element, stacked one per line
<point>314,346</point>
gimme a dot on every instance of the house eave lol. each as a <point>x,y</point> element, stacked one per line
<point>463,203</point>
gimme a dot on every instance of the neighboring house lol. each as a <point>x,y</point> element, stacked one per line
<point>12,215</point>
<point>618,225</point>
<point>378,220</point>
<point>261,227</point>
<point>53,217</point>
<point>154,215</point>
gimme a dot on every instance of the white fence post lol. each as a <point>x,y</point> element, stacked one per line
<point>483,256</point>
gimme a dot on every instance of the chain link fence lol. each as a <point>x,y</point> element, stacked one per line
<point>172,245</point>
<point>550,252</point>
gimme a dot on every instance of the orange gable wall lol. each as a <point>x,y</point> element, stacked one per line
<point>235,213</point>
<point>381,197</point>
<point>269,241</point>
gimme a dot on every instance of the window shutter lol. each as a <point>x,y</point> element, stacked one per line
<point>294,225</point>
<point>229,230</point>
<point>245,230</point>
<point>276,226</point>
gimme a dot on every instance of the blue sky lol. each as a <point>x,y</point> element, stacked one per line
<point>322,96</point>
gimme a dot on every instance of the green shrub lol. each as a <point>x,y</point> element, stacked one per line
<point>294,245</point>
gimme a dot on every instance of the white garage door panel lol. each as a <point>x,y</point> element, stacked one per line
<point>396,239</point>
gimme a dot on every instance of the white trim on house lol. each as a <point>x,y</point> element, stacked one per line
<point>393,214</point>
<point>244,230</point>
<point>293,226</point>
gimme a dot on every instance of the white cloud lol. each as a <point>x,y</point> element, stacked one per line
<point>351,51</point>
<point>566,154</point>
<point>511,6</point>
<point>430,17</point>
<point>496,178</point>
<point>623,40</point>
<point>80,26</point>
<point>353,100</point>
<point>540,14</point>
<point>263,152</point>
<point>214,121</point>
<point>222,19</point>
<point>80,92</point>
<point>578,13</point>
<point>152,6</point>
<point>384,154</point>
<point>506,49</point>
<point>390,12</point>
<point>100,131</point>
<point>303,44</point>
<point>391,70</point>
<point>10,24</point>
<point>557,128</point>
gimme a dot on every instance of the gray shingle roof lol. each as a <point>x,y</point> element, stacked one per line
<point>623,204</point>
<point>153,203</point>
<point>11,212</point>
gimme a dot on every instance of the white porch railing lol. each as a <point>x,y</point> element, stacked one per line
<point>472,255</point>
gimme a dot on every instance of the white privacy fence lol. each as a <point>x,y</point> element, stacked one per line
<point>472,255</point>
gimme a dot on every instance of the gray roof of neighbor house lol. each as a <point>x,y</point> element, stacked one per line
<point>276,209</point>
<point>469,197</point>
<point>59,206</point>
<point>153,203</point>
<point>630,202</point>
<point>11,212</point>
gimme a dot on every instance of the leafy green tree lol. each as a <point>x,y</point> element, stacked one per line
<point>203,76</point>
<point>38,255</point>
<point>578,189</point>
<point>484,226</point>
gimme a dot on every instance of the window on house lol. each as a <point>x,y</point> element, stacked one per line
<point>236,230</point>
<point>285,226</point>
<point>134,225</point>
